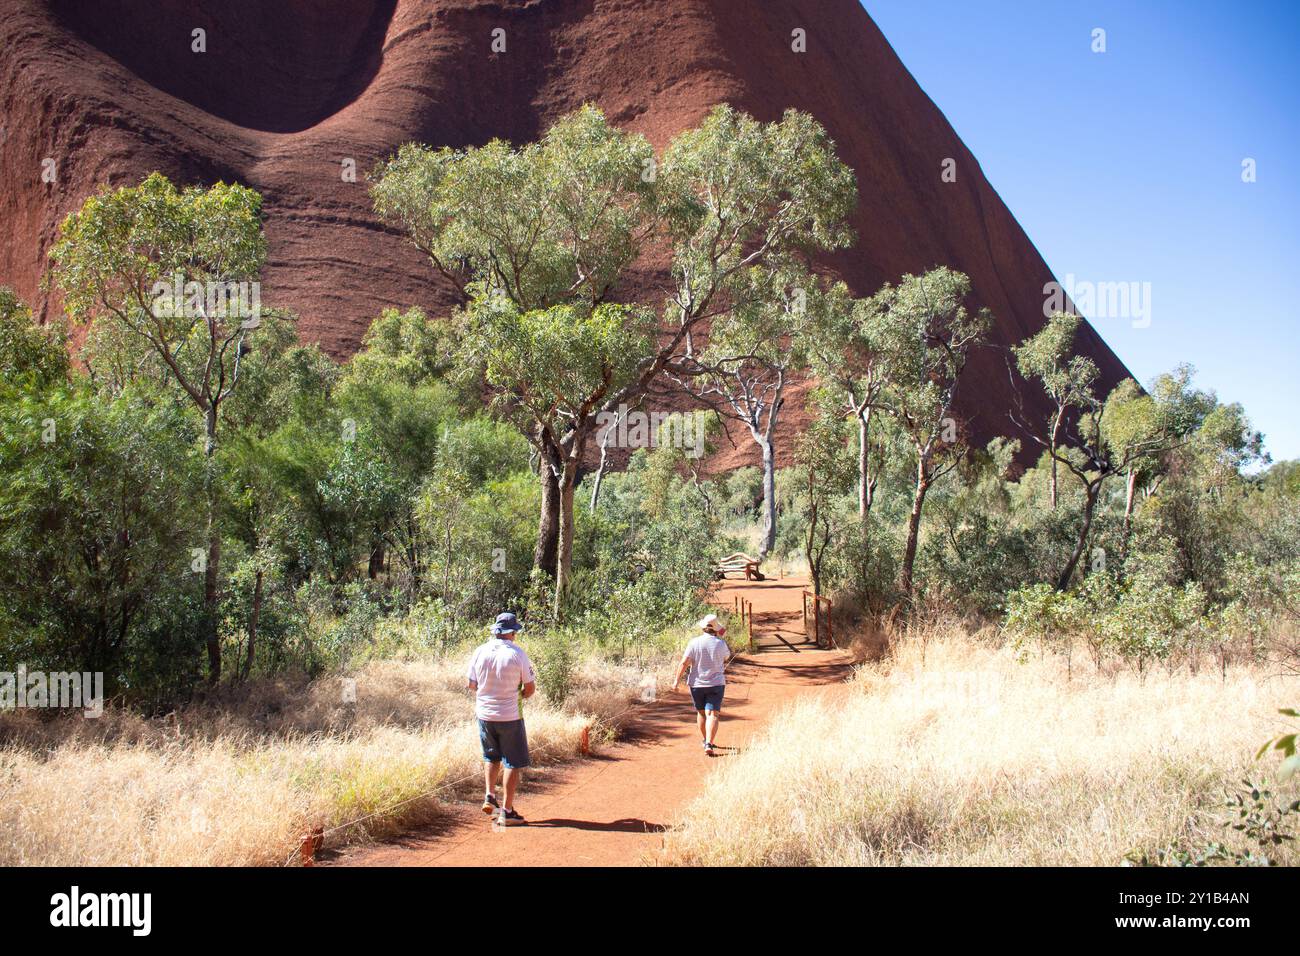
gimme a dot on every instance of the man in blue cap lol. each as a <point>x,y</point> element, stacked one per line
<point>498,673</point>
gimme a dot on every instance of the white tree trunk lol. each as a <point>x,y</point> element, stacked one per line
<point>769,495</point>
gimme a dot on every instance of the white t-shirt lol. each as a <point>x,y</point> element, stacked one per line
<point>498,668</point>
<point>708,655</point>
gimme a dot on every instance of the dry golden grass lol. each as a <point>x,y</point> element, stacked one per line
<point>237,782</point>
<point>953,753</point>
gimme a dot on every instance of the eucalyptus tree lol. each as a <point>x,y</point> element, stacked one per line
<point>1203,434</point>
<point>825,473</point>
<point>1201,487</point>
<point>179,269</point>
<point>925,336</point>
<point>95,502</point>
<point>1066,379</point>
<point>752,357</point>
<point>561,222</point>
<point>744,202</point>
<point>1130,433</point>
<point>1127,433</point>
<point>844,352</point>
<point>551,223</point>
<point>549,370</point>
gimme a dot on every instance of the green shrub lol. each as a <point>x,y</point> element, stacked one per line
<point>554,660</point>
<point>99,518</point>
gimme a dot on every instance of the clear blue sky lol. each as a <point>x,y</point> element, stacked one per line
<point>1126,166</point>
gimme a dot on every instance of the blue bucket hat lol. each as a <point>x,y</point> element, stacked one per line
<point>506,624</point>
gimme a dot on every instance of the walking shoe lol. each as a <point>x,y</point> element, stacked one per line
<point>708,748</point>
<point>490,804</point>
<point>511,818</point>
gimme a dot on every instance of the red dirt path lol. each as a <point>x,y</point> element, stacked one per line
<point>612,809</point>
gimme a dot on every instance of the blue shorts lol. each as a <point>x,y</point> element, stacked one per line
<point>504,740</point>
<point>708,698</point>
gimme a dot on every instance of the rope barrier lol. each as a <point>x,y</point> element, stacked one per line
<point>320,836</point>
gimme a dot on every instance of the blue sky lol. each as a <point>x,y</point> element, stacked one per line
<point>1127,166</point>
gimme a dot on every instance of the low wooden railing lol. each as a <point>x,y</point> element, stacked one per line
<point>817,602</point>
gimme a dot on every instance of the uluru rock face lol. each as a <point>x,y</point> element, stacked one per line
<point>287,91</point>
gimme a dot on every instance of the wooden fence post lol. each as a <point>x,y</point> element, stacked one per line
<point>311,843</point>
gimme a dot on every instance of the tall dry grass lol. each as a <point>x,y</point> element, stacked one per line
<point>237,782</point>
<point>951,752</point>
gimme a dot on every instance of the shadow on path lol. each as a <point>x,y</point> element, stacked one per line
<point>628,825</point>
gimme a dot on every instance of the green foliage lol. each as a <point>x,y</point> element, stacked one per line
<point>1286,745</point>
<point>178,270</point>
<point>98,517</point>
<point>553,659</point>
<point>1040,612</point>
<point>31,357</point>
<point>1253,811</point>
<point>1257,600</point>
<point>1142,617</point>
<point>821,475</point>
<point>525,222</point>
<point>990,536</point>
<point>406,346</point>
<point>654,539</point>
<point>718,183</point>
<point>925,333</point>
<point>479,541</point>
<point>1135,426</point>
<point>904,349</point>
<point>536,240</point>
<point>556,362</point>
<point>161,261</point>
<point>343,640</point>
<point>1283,479</point>
<point>1265,823</point>
<point>482,449</point>
<point>741,492</point>
<point>1067,379</point>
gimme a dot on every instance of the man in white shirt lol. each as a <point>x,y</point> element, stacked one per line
<point>498,673</point>
<point>706,658</point>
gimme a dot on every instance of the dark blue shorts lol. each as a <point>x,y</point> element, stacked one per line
<point>504,740</point>
<point>708,698</point>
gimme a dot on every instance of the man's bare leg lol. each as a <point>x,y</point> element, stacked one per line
<point>712,723</point>
<point>512,785</point>
<point>699,722</point>
<point>491,774</point>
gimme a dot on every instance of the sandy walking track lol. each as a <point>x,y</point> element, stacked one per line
<point>612,809</point>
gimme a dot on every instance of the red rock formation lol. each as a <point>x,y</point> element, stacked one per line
<point>287,90</point>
